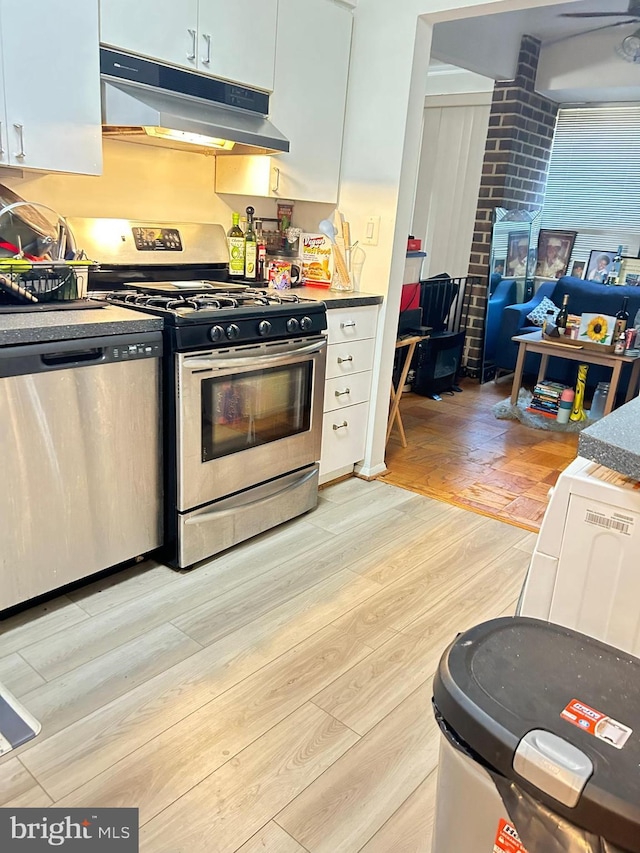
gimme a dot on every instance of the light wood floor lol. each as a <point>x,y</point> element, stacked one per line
<point>460,453</point>
<point>274,699</point>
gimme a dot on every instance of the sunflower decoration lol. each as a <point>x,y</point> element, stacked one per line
<point>597,329</point>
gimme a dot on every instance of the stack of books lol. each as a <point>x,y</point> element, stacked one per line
<point>546,397</point>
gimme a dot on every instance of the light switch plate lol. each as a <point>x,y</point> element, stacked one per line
<point>371,231</point>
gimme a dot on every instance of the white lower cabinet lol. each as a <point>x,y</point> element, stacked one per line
<point>351,343</point>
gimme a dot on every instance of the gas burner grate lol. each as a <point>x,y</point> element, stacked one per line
<point>182,304</point>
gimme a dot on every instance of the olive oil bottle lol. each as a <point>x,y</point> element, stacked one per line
<point>235,242</point>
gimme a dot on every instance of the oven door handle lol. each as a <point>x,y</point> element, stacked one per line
<point>250,358</point>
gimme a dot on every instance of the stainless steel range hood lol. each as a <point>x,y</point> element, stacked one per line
<point>154,104</point>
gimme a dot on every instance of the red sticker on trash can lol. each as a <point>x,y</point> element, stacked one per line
<point>507,839</point>
<point>596,723</point>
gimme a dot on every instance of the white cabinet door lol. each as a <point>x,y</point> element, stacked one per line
<point>159,29</point>
<point>307,105</point>
<point>52,85</point>
<point>309,95</point>
<point>237,41</point>
<point>4,139</point>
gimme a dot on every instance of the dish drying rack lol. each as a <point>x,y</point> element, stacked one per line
<point>46,275</point>
<point>43,281</point>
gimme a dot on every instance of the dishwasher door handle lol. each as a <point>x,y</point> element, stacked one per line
<point>72,358</point>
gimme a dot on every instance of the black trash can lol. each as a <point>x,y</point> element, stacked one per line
<point>540,748</point>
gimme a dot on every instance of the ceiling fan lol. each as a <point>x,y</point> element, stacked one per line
<point>629,47</point>
<point>632,12</point>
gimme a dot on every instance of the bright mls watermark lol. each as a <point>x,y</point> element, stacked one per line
<point>73,830</point>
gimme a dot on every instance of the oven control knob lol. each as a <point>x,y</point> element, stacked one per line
<point>233,331</point>
<point>306,323</point>
<point>292,325</point>
<point>264,327</point>
<point>216,333</point>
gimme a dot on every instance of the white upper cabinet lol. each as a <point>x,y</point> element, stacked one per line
<point>307,105</point>
<point>159,29</point>
<point>4,153</point>
<point>230,40</point>
<point>50,65</point>
<point>237,41</point>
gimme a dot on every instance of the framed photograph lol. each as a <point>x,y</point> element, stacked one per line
<point>578,269</point>
<point>630,272</point>
<point>517,254</point>
<point>498,266</point>
<point>554,251</point>
<point>597,329</point>
<point>599,265</point>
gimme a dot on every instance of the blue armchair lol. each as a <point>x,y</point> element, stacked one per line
<point>503,293</point>
<point>513,321</point>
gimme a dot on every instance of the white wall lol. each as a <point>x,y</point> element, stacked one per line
<point>153,184</point>
<point>138,182</point>
<point>445,79</point>
<point>389,61</point>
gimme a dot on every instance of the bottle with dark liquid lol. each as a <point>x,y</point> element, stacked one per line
<point>261,252</point>
<point>235,242</point>
<point>250,248</point>
<point>563,315</point>
<point>622,319</point>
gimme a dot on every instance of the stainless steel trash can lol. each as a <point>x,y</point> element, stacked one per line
<point>540,749</point>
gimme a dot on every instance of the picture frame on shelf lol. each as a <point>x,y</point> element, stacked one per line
<point>599,264</point>
<point>630,272</point>
<point>499,266</point>
<point>578,269</point>
<point>554,251</point>
<point>517,254</point>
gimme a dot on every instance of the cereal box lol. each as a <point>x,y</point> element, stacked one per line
<point>317,260</point>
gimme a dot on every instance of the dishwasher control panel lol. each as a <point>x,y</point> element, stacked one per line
<point>129,351</point>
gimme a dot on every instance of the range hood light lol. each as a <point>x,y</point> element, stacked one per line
<point>189,138</point>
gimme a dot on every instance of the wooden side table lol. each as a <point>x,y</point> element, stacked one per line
<point>396,393</point>
<point>533,342</point>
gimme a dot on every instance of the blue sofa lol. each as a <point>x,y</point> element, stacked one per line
<point>584,296</point>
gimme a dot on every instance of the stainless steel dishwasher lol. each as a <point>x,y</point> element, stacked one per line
<point>81,469</point>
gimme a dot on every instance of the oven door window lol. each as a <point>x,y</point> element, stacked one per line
<point>249,409</point>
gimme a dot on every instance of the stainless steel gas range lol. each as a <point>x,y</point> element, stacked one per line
<point>244,379</point>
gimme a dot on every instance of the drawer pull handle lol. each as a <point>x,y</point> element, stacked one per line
<point>342,393</point>
<point>348,325</point>
<point>340,426</point>
<point>342,360</point>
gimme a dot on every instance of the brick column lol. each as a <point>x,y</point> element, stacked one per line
<point>516,161</point>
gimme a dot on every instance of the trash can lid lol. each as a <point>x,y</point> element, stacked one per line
<point>556,712</point>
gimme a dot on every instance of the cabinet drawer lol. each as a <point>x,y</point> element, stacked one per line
<point>343,445</point>
<point>347,358</point>
<point>341,391</point>
<point>352,324</point>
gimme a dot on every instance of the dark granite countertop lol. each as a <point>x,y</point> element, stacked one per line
<point>338,299</point>
<point>614,441</point>
<point>39,327</point>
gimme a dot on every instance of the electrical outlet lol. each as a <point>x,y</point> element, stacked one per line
<point>371,231</point>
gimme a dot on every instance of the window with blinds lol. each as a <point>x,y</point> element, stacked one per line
<point>594,179</point>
